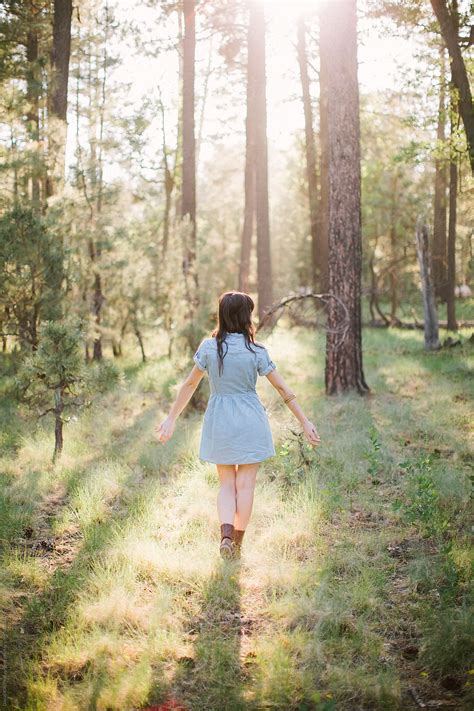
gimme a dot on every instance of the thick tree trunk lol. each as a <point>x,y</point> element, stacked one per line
<point>338,41</point>
<point>188,195</point>
<point>257,64</point>
<point>250,162</point>
<point>440,211</point>
<point>250,158</point>
<point>427,287</point>
<point>311,169</point>
<point>60,55</point>
<point>449,25</point>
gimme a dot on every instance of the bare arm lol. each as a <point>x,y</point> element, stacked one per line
<point>285,392</point>
<point>185,393</point>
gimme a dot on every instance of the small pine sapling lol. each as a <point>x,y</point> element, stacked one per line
<point>53,378</point>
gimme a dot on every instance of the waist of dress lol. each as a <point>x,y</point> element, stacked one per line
<point>239,394</point>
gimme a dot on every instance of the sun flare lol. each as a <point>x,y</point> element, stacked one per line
<point>292,9</point>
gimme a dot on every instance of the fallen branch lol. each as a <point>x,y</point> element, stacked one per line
<point>417,325</point>
<point>292,298</point>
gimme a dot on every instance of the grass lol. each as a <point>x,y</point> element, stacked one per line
<point>353,591</point>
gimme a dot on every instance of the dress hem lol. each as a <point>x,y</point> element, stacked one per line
<point>211,461</point>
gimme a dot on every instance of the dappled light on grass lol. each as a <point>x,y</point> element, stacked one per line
<point>340,600</point>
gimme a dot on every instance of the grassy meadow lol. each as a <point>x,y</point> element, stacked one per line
<point>353,590</point>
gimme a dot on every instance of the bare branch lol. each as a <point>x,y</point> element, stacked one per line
<point>323,298</point>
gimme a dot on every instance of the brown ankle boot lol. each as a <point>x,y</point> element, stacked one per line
<point>238,536</point>
<point>227,547</point>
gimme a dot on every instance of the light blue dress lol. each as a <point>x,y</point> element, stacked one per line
<point>235,429</point>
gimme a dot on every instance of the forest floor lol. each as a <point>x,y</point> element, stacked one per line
<point>353,589</point>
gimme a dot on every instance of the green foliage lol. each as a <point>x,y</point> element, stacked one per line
<point>31,273</point>
<point>55,367</point>
<point>103,376</point>
<point>423,508</point>
<point>448,639</point>
<point>373,454</point>
<point>296,456</point>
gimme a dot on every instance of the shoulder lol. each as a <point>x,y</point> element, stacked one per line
<point>207,343</point>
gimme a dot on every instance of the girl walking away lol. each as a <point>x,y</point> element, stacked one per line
<point>236,433</point>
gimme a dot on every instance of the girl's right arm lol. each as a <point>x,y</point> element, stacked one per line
<point>166,428</point>
<point>288,395</point>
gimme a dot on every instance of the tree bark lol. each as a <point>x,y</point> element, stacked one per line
<point>310,144</point>
<point>324,175</point>
<point>453,189</point>
<point>451,282</point>
<point>338,41</point>
<point>33,91</point>
<point>98,298</point>
<point>392,272</point>
<point>440,207</point>
<point>60,54</point>
<point>449,26</point>
<point>257,65</point>
<point>139,336</point>
<point>427,287</point>
<point>58,421</point>
<point>250,158</point>
<point>188,195</point>
<point>169,183</point>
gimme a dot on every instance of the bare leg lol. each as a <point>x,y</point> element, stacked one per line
<point>245,485</point>
<point>226,499</point>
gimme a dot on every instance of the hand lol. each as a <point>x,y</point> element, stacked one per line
<point>311,433</point>
<point>165,430</point>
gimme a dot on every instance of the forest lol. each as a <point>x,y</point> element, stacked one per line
<point>317,155</point>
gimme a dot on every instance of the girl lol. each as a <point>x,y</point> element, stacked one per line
<point>236,433</point>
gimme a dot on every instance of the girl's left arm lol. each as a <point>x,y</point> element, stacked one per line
<point>185,393</point>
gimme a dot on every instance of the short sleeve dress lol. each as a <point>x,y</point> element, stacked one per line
<point>235,429</point>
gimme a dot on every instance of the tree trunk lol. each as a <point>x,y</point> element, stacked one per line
<point>392,277</point>
<point>440,211</point>
<point>453,188</point>
<point>33,91</point>
<point>449,26</point>
<point>169,184</point>
<point>392,274</point>
<point>257,65</point>
<point>188,195</point>
<point>427,287</point>
<point>97,172</point>
<point>250,157</point>
<point>97,301</point>
<point>324,175</point>
<point>58,422</point>
<point>311,170</point>
<point>60,55</point>
<point>138,334</point>
<point>338,41</point>
<point>451,282</point>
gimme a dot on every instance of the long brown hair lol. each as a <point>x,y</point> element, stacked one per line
<point>234,316</point>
